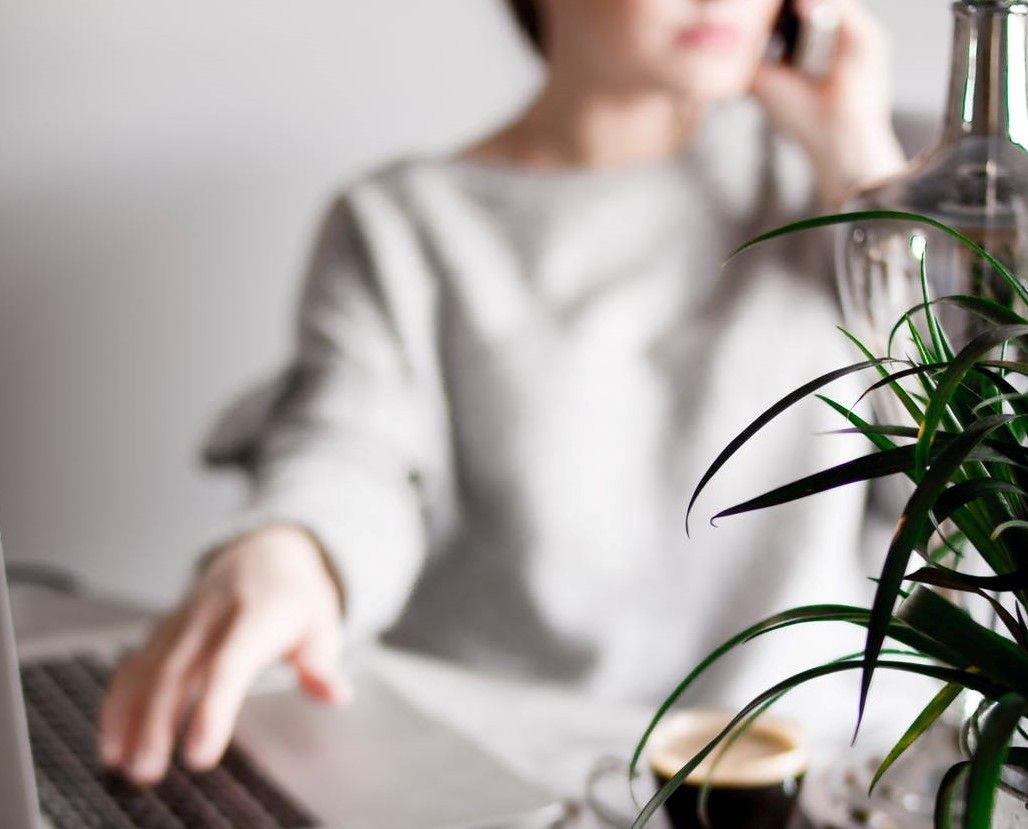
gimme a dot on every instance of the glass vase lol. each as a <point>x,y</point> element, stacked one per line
<point>974,178</point>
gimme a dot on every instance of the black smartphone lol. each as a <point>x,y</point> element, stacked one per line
<point>808,45</point>
<point>785,36</point>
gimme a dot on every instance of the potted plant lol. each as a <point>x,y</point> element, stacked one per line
<point>966,455</point>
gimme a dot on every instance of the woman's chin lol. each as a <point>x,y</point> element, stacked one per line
<point>711,78</point>
<point>712,92</point>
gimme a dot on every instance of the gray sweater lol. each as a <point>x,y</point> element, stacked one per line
<point>506,384</point>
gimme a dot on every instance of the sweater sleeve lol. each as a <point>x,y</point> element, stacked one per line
<point>348,442</point>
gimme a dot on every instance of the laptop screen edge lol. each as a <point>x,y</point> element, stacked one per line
<point>18,800</point>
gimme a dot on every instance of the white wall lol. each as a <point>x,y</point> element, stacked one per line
<point>161,166</point>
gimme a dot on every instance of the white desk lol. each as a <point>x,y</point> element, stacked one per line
<point>547,734</point>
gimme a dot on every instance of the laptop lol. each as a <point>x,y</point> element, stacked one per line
<point>377,764</point>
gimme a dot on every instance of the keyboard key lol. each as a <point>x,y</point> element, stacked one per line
<point>63,698</point>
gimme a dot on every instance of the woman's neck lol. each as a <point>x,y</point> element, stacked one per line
<point>569,127</point>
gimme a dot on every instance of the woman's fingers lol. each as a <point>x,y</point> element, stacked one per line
<point>781,86</point>
<point>152,737</point>
<point>317,665</point>
<point>117,708</point>
<point>860,32</point>
<point>265,596</point>
<point>843,119</point>
<point>246,648</point>
<point>146,700</point>
<point>126,689</point>
<point>862,52</point>
<point>165,696</point>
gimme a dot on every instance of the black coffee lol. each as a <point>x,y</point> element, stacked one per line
<point>759,807</point>
<point>754,786</point>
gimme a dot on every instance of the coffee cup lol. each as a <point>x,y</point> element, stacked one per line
<point>754,784</point>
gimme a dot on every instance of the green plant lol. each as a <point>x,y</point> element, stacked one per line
<point>967,458</point>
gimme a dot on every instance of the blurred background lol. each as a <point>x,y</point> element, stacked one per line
<point>162,167</point>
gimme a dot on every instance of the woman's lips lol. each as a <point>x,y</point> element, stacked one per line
<point>709,35</point>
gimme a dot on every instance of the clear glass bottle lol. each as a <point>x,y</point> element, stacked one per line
<point>974,178</point>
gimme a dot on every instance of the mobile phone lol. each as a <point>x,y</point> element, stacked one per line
<point>810,44</point>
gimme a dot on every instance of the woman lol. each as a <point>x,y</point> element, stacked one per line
<point>513,365</point>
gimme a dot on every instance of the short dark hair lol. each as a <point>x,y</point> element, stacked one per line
<point>526,13</point>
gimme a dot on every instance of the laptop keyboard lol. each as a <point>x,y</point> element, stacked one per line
<point>62,698</point>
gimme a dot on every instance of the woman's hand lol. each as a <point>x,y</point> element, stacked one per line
<point>844,119</point>
<point>265,596</point>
